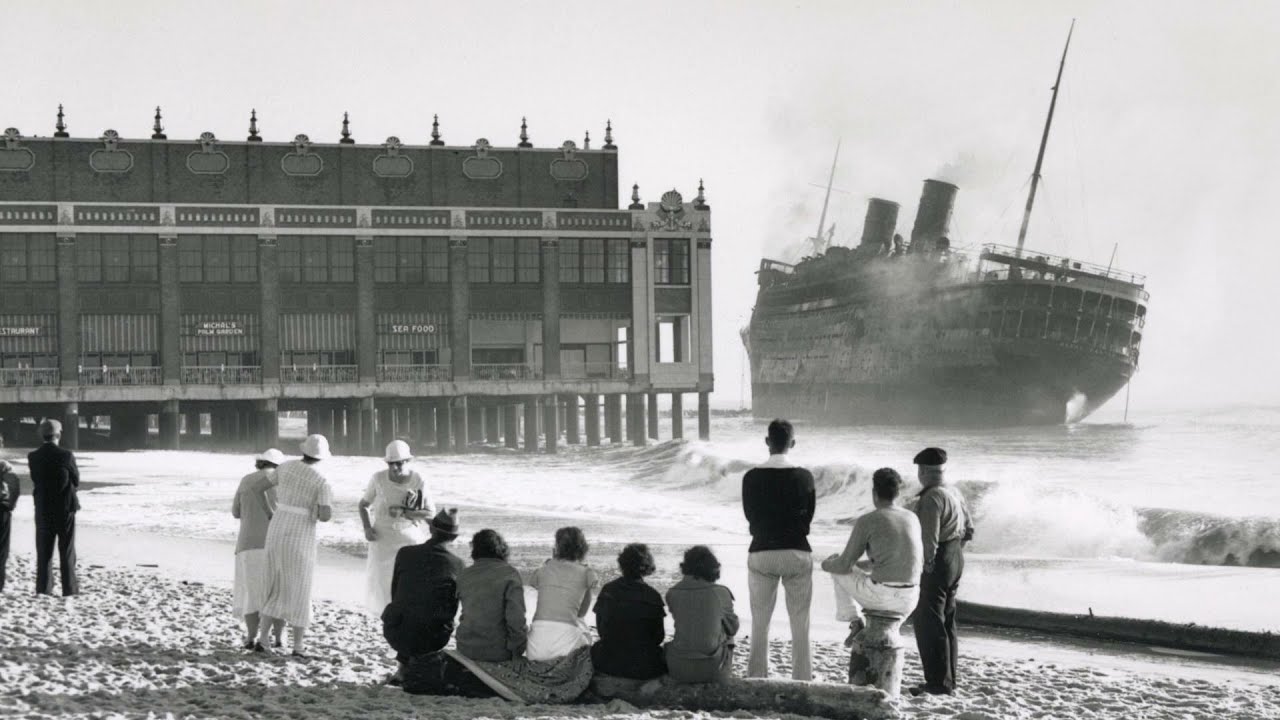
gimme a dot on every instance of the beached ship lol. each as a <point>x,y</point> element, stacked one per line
<point>891,332</point>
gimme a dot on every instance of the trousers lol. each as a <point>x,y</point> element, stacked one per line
<point>855,592</point>
<point>794,569</point>
<point>935,619</point>
<point>6,522</point>
<point>62,530</point>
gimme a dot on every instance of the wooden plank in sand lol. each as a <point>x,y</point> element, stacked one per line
<point>837,702</point>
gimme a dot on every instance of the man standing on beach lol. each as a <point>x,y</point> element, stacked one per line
<point>778,499</point>
<point>945,526</point>
<point>890,537</point>
<point>54,480</point>
<point>9,491</point>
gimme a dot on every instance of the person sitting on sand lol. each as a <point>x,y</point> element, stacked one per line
<point>424,594</point>
<point>253,505</point>
<point>890,538</point>
<point>629,617</point>
<point>492,627</point>
<point>304,497</point>
<point>705,623</point>
<point>397,498</point>
<point>564,584</point>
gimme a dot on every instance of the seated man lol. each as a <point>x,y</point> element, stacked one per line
<point>890,538</point>
<point>424,594</point>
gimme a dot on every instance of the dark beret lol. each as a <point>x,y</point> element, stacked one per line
<point>931,456</point>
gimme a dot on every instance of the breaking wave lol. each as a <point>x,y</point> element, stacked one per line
<point>1011,518</point>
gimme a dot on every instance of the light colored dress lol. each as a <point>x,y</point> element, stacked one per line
<point>564,589</point>
<point>254,504</point>
<point>382,494</point>
<point>291,541</point>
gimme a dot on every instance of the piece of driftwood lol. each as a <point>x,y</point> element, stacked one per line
<point>837,702</point>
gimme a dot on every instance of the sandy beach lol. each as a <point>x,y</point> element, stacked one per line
<point>140,642</point>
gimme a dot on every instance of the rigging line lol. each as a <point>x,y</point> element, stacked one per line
<point>1012,199</point>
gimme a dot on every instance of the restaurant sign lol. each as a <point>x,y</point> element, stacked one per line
<point>413,328</point>
<point>219,327</point>
<point>24,331</point>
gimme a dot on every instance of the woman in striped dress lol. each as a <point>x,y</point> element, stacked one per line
<point>303,496</point>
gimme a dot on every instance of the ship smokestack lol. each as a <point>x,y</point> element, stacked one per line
<point>882,220</point>
<point>933,216</point>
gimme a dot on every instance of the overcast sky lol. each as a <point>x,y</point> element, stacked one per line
<point>1165,143</point>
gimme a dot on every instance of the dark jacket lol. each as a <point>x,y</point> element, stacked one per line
<point>424,598</point>
<point>54,479</point>
<point>629,617</point>
<point>779,504</point>
<point>492,627</point>
<point>705,624</point>
<point>10,481</point>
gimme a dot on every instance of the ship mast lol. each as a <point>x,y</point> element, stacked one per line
<point>819,244</point>
<point>1044,141</point>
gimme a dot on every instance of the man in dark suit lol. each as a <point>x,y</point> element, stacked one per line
<point>54,479</point>
<point>9,491</point>
<point>424,595</point>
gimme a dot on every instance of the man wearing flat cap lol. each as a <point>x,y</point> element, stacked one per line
<point>54,480</point>
<point>424,594</point>
<point>945,525</point>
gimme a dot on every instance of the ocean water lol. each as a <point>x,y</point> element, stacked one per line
<point>1174,516</point>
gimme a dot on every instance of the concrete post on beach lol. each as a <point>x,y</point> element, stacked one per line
<point>877,654</point>
<point>677,415</point>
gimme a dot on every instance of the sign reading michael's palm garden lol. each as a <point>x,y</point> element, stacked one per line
<point>218,327</point>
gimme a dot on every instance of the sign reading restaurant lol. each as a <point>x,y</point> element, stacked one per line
<point>21,331</point>
<point>219,327</point>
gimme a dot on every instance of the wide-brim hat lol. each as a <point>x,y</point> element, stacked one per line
<point>271,455</point>
<point>446,521</point>
<point>397,451</point>
<point>316,446</point>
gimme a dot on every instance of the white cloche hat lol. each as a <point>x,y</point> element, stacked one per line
<point>397,451</point>
<point>316,446</point>
<point>272,455</point>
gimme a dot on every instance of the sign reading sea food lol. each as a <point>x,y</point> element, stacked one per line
<point>413,329</point>
<point>219,327</point>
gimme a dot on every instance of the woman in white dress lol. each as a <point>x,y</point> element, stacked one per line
<point>303,496</point>
<point>397,499</point>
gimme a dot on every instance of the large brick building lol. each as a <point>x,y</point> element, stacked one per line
<point>437,292</point>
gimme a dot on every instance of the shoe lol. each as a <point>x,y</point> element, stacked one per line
<point>919,690</point>
<point>248,644</point>
<point>299,656</point>
<point>258,648</point>
<point>395,679</point>
<point>276,642</point>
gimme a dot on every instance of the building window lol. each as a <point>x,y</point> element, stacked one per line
<point>478,260</point>
<point>436,257</point>
<point>27,257</point>
<point>503,254</point>
<point>317,259</point>
<point>244,258</point>
<point>528,260</point>
<point>671,341</point>
<point>384,260</point>
<point>619,258</point>
<point>411,260</point>
<point>144,258</point>
<point>190,258</point>
<point>217,258</point>
<point>671,261</point>
<point>89,258</point>
<point>592,260</point>
<point>117,258</point>
<point>570,260</point>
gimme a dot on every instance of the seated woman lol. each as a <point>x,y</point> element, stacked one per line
<point>491,594</point>
<point>629,617</point>
<point>702,649</point>
<point>564,584</point>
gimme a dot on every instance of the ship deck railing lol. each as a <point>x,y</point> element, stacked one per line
<point>1058,264</point>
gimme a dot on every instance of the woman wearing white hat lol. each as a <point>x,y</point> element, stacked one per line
<point>253,506</point>
<point>304,496</point>
<point>397,499</point>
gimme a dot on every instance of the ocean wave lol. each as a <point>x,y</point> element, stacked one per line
<point>1011,518</point>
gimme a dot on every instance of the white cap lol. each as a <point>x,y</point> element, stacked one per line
<point>272,455</point>
<point>316,446</point>
<point>397,451</point>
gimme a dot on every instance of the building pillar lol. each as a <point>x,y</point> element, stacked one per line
<point>404,423</point>
<point>491,425</point>
<point>677,415</point>
<point>613,417</point>
<point>426,425</point>
<point>460,423</point>
<point>366,327</point>
<point>169,425</point>
<point>704,416</point>
<point>68,310</point>
<point>531,424</point>
<point>170,316</point>
<point>268,423</point>
<point>71,426</point>
<point>326,421</point>
<point>193,424</point>
<point>459,303</point>
<point>550,426</point>
<point>572,435</point>
<point>386,427</point>
<point>269,305</point>
<point>444,425</point>
<point>591,415</point>
<point>635,417</point>
<point>475,422</point>
<point>653,415</point>
<point>313,421</point>
<point>550,310</point>
<point>249,429</point>
<point>511,426</point>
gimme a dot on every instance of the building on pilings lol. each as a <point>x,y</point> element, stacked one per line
<point>442,293</point>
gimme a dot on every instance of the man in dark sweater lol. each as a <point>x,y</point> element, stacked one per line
<point>778,499</point>
<point>424,594</point>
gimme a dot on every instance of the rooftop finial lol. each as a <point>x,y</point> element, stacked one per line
<point>635,198</point>
<point>253,126</point>
<point>700,202</point>
<point>60,129</point>
<point>608,136</point>
<point>157,130</point>
<point>435,130</point>
<point>346,130</point>
<point>586,141</point>
<point>524,134</point>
